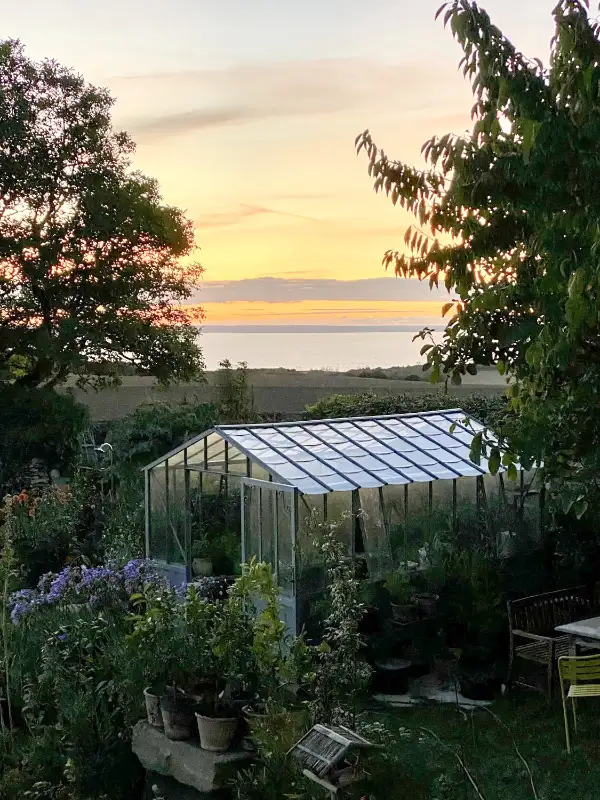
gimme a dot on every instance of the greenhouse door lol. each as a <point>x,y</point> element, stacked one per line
<point>269,535</point>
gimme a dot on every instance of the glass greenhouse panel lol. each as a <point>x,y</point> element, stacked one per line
<point>339,512</point>
<point>395,510</point>
<point>376,540</point>
<point>158,514</point>
<point>285,545</point>
<point>309,559</point>
<point>176,515</point>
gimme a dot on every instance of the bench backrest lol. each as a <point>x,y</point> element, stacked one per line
<point>541,613</point>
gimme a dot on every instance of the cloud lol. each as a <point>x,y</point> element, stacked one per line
<point>197,100</point>
<point>225,218</point>
<point>296,290</point>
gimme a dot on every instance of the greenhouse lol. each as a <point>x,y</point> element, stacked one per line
<point>392,485</point>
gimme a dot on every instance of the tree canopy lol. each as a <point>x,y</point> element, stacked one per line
<point>90,255</point>
<point>508,218</point>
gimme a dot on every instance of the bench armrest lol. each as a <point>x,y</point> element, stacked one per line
<point>535,636</point>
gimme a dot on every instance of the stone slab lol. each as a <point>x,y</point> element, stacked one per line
<point>185,762</point>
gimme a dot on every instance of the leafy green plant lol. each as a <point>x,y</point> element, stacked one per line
<point>235,398</point>
<point>58,525</point>
<point>36,424</point>
<point>400,587</point>
<point>527,302</point>
<point>274,775</point>
<point>340,673</point>
<point>154,429</point>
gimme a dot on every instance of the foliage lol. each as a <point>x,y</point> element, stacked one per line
<point>489,409</point>
<point>399,586</point>
<point>36,424</point>
<point>56,526</point>
<point>517,202</point>
<point>7,559</point>
<point>90,267</point>
<point>154,429</point>
<point>122,536</point>
<point>340,673</point>
<point>235,398</point>
<point>281,662</point>
<point>216,528</point>
<point>274,775</point>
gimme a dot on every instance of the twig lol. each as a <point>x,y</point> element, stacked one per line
<point>461,761</point>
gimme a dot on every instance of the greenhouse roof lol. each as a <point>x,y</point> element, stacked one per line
<point>333,455</point>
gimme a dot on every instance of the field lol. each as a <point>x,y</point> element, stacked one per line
<point>280,391</point>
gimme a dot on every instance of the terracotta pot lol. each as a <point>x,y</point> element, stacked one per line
<point>178,716</point>
<point>216,733</point>
<point>202,567</point>
<point>153,709</point>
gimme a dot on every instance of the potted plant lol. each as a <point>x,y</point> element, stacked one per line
<point>478,674</point>
<point>160,642</point>
<point>226,640</point>
<point>402,596</point>
<point>202,565</point>
<point>428,582</point>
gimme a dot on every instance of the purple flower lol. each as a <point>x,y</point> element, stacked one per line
<point>21,603</point>
<point>62,637</point>
<point>60,584</point>
<point>93,575</point>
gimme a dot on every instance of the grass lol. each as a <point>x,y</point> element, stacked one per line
<point>420,766</point>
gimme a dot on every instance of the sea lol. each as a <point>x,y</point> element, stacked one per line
<point>332,348</point>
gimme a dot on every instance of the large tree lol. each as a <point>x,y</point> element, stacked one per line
<point>508,218</point>
<point>90,255</point>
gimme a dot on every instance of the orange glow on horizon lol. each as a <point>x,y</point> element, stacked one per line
<point>320,312</point>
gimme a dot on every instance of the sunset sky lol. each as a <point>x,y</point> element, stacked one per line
<point>246,112</point>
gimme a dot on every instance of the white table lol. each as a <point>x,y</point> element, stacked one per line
<point>584,634</point>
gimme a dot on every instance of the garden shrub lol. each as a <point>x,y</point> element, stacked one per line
<point>36,424</point>
<point>488,409</point>
<point>154,429</point>
<point>54,526</point>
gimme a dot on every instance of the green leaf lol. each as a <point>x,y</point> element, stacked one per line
<point>528,134</point>
<point>512,472</point>
<point>472,369</point>
<point>580,507</point>
<point>456,379</point>
<point>494,461</point>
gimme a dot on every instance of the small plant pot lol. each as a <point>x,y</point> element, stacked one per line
<point>407,612</point>
<point>476,689</point>
<point>216,733</point>
<point>202,567</point>
<point>153,711</point>
<point>178,716</point>
<point>427,604</point>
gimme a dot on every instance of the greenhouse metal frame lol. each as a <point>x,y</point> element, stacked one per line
<point>374,477</point>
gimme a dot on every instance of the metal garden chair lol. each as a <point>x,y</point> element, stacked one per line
<point>582,673</point>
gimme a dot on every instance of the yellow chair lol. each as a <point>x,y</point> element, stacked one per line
<point>579,672</point>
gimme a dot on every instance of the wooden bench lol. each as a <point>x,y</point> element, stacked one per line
<point>532,622</point>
